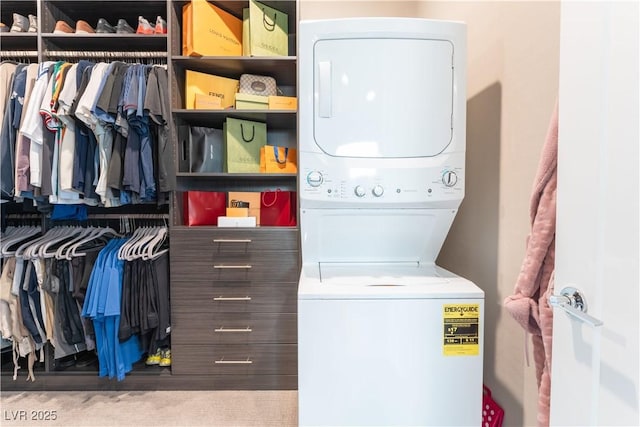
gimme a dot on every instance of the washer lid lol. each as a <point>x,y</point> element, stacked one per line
<point>382,281</point>
<point>383,97</point>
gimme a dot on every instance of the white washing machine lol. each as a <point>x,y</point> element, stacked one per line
<point>385,337</point>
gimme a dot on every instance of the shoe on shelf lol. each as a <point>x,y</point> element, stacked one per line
<point>165,358</point>
<point>83,27</point>
<point>33,24</point>
<point>154,359</point>
<point>123,27</point>
<point>103,27</point>
<point>3,28</point>
<point>161,25</point>
<point>62,28</point>
<point>143,26</point>
<point>20,24</point>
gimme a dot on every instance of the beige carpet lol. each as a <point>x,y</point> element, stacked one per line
<point>151,408</point>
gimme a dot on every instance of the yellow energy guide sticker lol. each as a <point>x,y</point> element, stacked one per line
<point>461,329</point>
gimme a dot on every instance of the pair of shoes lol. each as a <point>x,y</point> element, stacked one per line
<point>165,358</point>
<point>154,359</point>
<point>82,27</point>
<point>23,24</point>
<point>144,27</point>
<point>123,27</point>
<point>3,28</point>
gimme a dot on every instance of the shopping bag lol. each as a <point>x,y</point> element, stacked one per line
<point>206,151</point>
<point>278,159</point>
<point>244,140</point>
<point>242,197</point>
<point>197,83</point>
<point>278,208</point>
<point>268,31</point>
<point>492,413</point>
<point>208,30</point>
<point>204,207</point>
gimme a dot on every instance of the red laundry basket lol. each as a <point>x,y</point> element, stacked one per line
<point>492,413</point>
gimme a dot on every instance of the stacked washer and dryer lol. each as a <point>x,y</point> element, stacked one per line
<point>385,336</point>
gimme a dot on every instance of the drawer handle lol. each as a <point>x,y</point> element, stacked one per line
<point>223,329</point>
<point>231,240</point>
<point>227,267</point>
<point>232,299</point>
<point>233,362</point>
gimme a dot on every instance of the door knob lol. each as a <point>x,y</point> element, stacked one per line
<point>573,302</point>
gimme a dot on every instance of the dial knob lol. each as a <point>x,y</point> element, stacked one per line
<point>315,178</point>
<point>449,178</point>
<point>377,190</point>
<point>359,191</point>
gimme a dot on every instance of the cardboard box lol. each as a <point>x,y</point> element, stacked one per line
<point>252,197</point>
<point>208,30</point>
<point>247,101</point>
<point>283,103</point>
<point>208,102</point>
<point>197,83</point>
<point>237,212</point>
<point>247,221</point>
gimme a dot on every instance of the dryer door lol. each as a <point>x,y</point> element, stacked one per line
<point>383,97</point>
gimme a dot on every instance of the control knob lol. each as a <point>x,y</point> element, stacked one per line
<point>377,190</point>
<point>449,178</point>
<point>315,178</point>
<point>359,191</point>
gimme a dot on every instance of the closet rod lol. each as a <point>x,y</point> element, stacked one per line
<point>18,53</point>
<point>128,216</point>
<point>105,54</point>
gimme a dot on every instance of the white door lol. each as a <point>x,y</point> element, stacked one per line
<point>594,377</point>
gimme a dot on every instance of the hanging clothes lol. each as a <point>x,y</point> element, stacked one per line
<point>529,304</point>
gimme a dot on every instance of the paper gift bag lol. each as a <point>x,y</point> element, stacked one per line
<point>204,207</point>
<point>278,159</point>
<point>244,140</point>
<point>206,151</point>
<point>268,31</point>
<point>278,208</point>
<point>253,198</point>
<point>197,83</point>
<point>208,30</point>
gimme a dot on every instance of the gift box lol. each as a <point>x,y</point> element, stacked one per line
<point>283,103</point>
<point>197,83</point>
<point>246,101</point>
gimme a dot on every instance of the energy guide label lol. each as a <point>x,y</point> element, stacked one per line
<point>461,329</point>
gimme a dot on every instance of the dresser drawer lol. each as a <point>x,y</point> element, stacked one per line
<point>267,266</point>
<point>235,359</point>
<point>234,297</point>
<point>196,241</point>
<point>233,328</point>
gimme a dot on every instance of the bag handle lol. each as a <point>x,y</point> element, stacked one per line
<point>267,25</point>
<point>242,133</point>
<point>276,154</point>
<point>275,199</point>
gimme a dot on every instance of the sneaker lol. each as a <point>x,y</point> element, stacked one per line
<point>3,28</point>
<point>123,27</point>
<point>165,359</point>
<point>20,24</point>
<point>143,26</point>
<point>154,359</point>
<point>83,27</point>
<point>33,24</point>
<point>103,27</point>
<point>161,26</point>
<point>62,28</point>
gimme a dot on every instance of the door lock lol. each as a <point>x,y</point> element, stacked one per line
<point>573,302</point>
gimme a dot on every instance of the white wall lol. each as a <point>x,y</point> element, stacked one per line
<point>513,52</point>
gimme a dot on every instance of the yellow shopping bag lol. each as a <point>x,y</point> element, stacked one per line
<point>278,159</point>
<point>208,30</point>
<point>207,84</point>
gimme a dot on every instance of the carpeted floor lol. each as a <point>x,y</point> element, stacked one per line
<point>152,408</point>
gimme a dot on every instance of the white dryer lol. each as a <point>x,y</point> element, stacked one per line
<point>385,337</point>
